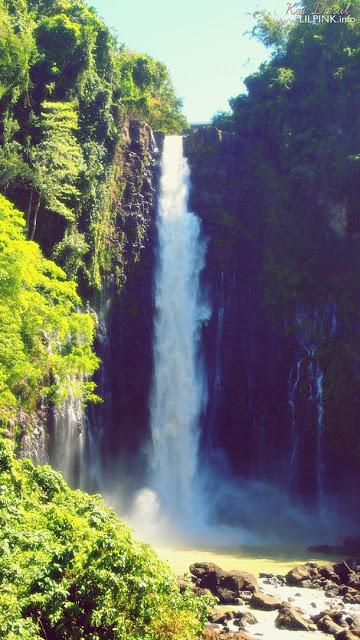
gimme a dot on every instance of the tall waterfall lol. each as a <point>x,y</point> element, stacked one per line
<point>179,391</point>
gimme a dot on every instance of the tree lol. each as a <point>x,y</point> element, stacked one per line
<point>44,339</point>
<point>57,163</point>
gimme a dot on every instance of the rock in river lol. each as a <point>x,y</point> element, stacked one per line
<point>264,602</point>
<point>292,619</point>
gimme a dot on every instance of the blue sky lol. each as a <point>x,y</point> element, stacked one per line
<point>201,41</point>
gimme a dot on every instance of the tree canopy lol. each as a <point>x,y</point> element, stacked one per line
<point>45,342</point>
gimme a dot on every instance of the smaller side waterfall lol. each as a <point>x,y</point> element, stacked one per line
<point>69,441</point>
<point>293,384</point>
<point>319,376</point>
<point>312,327</point>
<point>179,390</point>
<point>100,415</point>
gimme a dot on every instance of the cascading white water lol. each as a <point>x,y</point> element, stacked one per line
<point>69,441</point>
<point>178,391</point>
<point>319,375</point>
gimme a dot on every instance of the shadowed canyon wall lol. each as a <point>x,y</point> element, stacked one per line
<point>281,351</point>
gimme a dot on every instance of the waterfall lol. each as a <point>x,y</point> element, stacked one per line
<point>216,383</point>
<point>319,375</point>
<point>100,415</point>
<point>178,393</point>
<point>312,327</point>
<point>293,384</point>
<point>69,441</point>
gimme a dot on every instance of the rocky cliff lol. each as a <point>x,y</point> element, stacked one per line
<point>277,348</point>
<point>118,426</point>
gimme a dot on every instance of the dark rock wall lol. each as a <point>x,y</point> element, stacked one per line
<point>271,363</point>
<point>118,426</point>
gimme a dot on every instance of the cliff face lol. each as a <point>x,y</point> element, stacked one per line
<point>118,426</point>
<point>274,344</point>
<point>90,450</point>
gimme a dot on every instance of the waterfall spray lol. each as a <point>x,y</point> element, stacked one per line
<point>179,391</point>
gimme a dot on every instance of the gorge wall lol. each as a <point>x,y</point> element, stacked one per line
<point>281,354</point>
<point>119,425</point>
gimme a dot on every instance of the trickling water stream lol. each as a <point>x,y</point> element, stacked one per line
<point>179,390</point>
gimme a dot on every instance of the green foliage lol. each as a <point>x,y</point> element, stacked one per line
<point>70,569</point>
<point>304,145</point>
<point>65,90</point>
<point>16,52</point>
<point>44,340</point>
<point>271,31</point>
<point>148,92</point>
<point>57,160</point>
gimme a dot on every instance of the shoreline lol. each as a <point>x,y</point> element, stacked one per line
<point>254,559</point>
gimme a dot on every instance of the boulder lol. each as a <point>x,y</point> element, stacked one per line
<point>246,581</point>
<point>206,574</point>
<point>298,574</point>
<point>330,621</point>
<point>306,584</point>
<point>328,625</point>
<point>354,581</point>
<point>226,596</point>
<point>329,574</point>
<point>345,634</point>
<point>343,571</point>
<point>264,602</point>
<point>354,621</point>
<point>292,619</point>
<point>226,585</point>
<point>243,618</point>
<point>221,614</point>
<point>352,598</point>
<point>335,614</point>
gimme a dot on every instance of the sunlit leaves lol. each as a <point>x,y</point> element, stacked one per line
<point>70,569</point>
<point>44,339</point>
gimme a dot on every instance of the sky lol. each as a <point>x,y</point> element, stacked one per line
<point>203,43</point>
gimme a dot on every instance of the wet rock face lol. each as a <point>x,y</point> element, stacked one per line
<point>209,141</point>
<point>33,435</point>
<point>119,425</point>
<point>248,361</point>
<point>262,354</point>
